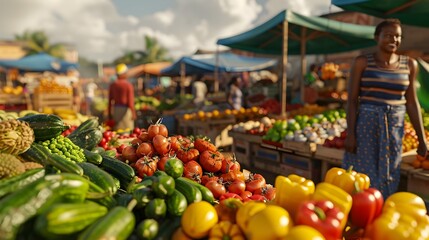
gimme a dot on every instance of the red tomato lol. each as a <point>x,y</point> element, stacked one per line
<point>208,177</point>
<point>136,141</point>
<point>217,188</point>
<point>157,129</point>
<point>230,195</point>
<point>145,149</point>
<point>145,166</point>
<point>102,142</point>
<point>144,137</point>
<point>161,144</point>
<point>226,164</point>
<point>162,161</point>
<point>211,161</point>
<point>257,197</point>
<point>246,195</point>
<point>269,192</point>
<point>255,182</point>
<point>137,131</point>
<point>129,153</point>
<point>204,145</point>
<point>193,170</point>
<point>237,187</point>
<point>174,143</point>
<point>187,154</point>
<point>121,148</point>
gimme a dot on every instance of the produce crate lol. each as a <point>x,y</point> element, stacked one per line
<point>265,153</point>
<point>418,182</point>
<point>242,147</point>
<point>301,165</point>
<point>52,100</point>
<point>15,102</point>
<point>268,167</point>
<point>334,154</point>
<point>299,148</point>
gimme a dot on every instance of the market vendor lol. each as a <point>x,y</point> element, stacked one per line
<point>121,100</point>
<point>312,84</point>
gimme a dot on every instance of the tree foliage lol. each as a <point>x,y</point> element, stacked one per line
<point>38,42</point>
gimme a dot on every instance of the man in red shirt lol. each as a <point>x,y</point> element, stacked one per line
<point>121,100</point>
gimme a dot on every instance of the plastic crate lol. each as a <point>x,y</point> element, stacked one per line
<point>263,154</point>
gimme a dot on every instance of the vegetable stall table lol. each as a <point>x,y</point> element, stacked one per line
<point>243,146</point>
<point>216,129</point>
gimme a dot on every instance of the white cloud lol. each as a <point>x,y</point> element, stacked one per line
<point>99,32</point>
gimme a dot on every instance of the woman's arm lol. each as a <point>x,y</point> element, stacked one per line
<point>413,108</point>
<point>358,67</point>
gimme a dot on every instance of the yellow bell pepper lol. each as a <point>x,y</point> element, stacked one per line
<point>226,230</point>
<point>291,191</point>
<point>304,232</point>
<point>403,218</point>
<point>340,198</point>
<point>246,211</point>
<point>345,179</point>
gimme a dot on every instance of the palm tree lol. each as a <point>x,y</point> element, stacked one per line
<point>154,53</point>
<point>38,42</point>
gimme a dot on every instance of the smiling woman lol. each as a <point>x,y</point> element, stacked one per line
<point>381,90</point>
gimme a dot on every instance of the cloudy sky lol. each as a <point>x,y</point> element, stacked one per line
<point>102,30</point>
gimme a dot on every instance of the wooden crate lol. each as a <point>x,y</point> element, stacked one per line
<point>418,182</point>
<point>299,148</point>
<point>334,154</point>
<point>301,165</point>
<point>264,154</point>
<point>15,100</point>
<point>52,100</point>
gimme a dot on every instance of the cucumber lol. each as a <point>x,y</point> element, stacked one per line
<point>99,177</point>
<point>156,209</point>
<point>147,229</point>
<point>191,192</point>
<point>120,170</point>
<point>65,219</point>
<point>207,195</point>
<point>88,138</point>
<point>117,224</point>
<point>36,197</point>
<point>38,153</point>
<point>90,123</point>
<point>168,226</point>
<point>176,203</point>
<point>15,183</point>
<point>107,201</point>
<point>45,126</point>
<point>143,196</point>
<point>92,157</point>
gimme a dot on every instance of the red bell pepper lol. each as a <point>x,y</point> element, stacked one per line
<point>367,206</point>
<point>322,215</point>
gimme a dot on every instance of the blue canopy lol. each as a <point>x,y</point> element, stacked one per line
<point>39,63</point>
<point>226,62</point>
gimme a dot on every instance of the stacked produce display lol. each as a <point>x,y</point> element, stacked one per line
<point>85,182</point>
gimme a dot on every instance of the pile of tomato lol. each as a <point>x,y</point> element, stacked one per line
<point>203,163</point>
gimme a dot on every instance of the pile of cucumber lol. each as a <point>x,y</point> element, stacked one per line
<point>96,198</point>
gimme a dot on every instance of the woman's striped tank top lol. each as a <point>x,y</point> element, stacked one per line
<point>384,86</point>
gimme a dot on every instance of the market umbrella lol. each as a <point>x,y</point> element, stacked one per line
<point>411,12</point>
<point>39,63</point>
<point>290,33</point>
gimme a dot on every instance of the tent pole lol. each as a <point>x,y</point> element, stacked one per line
<point>303,61</point>
<point>284,67</point>
<point>216,72</point>
<point>182,78</point>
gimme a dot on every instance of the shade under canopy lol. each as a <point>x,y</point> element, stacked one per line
<point>39,63</point>
<point>411,12</point>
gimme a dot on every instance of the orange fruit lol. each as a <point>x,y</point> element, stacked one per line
<point>416,163</point>
<point>425,164</point>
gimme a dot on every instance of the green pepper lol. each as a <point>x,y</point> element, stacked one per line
<point>163,185</point>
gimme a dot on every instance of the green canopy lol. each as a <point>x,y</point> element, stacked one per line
<point>411,12</point>
<point>290,33</point>
<point>423,90</point>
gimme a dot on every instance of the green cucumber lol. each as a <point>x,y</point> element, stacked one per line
<point>206,193</point>
<point>176,203</point>
<point>88,138</point>
<point>68,218</point>
<point>99,177</point>
<point>92,157</point>
<point>147,229</point>
<point>38,153</point>
<point>118,224</point>
<point>156,209</point>
<point>45,126</point>
<point>107,201</point>
<point>120,170</point>
<point>146,182</point>
<point>90,123</point>
<point>143,196</point>
<point>163,185</point>
<point>36,197</point>
<point>191,192</point>
<point>15,183</point>
<point>168,226</point>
